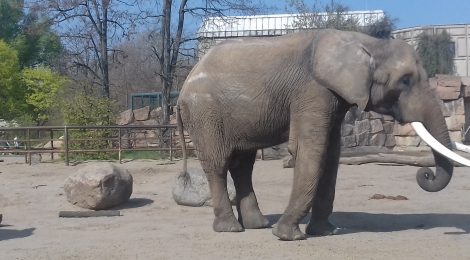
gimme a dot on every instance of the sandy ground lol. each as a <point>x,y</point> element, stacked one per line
<point>152,226</point>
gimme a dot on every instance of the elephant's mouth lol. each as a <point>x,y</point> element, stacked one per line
<point>440,148</point>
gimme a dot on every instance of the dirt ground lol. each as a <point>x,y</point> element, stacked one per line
<point>152,226</point>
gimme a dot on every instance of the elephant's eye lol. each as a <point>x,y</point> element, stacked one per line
<point>406,79</point>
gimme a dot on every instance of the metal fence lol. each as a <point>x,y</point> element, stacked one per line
<point>52,140</point>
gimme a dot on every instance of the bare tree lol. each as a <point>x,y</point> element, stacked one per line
<point>336,15</point>
<point>89,28</point>
<point>171,42</point>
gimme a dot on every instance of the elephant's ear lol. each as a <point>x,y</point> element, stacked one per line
<point>345,66</point>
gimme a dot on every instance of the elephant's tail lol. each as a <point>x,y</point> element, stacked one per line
<point>179,123</point>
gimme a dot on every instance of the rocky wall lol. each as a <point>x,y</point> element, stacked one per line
<point>373,129</point>
<point>359,129</point>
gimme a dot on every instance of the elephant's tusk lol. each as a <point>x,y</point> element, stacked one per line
<point>436,145</point>
<point>461,147</point>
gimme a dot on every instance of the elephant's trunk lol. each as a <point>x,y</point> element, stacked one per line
<point>429,113</point>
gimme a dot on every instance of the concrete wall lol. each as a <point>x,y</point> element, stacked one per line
<point>459,34</point>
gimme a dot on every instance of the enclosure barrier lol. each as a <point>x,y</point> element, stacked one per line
<point>53,140</point>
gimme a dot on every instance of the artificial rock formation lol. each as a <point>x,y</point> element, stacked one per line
<point>99,186</point>
<point>192,189</point>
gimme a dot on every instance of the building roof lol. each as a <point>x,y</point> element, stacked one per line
<point>265,25</point>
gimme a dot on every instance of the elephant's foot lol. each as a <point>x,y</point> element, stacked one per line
<point>254,220</point>
<point>321,228</point>
<point>288,232</point>
<point>227,224</point>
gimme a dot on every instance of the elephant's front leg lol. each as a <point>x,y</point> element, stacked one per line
<point>319,224</point>
<point>312,137</point>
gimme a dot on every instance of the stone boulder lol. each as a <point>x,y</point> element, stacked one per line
<point>142,114</point>
<point>192,189</point>
<point>448,86</point>
<point>276,152</point>
<point>125,117</point>
<point>99,186</point>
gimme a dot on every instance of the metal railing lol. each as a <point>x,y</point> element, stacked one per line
<point>60,140</point>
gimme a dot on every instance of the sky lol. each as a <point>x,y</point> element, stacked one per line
<point>409,13</point>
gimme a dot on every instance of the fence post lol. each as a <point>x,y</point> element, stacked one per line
<point>28,145</point>
<point>66,145</point>
<point>52,145</point>
<point>119,143</point>
<point>171,144</point>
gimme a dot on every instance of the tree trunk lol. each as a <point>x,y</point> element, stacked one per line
<point>165,60</point>
<point>104,49</point>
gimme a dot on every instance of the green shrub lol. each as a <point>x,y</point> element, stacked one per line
<point>437,53</point>
<point>84,110</point>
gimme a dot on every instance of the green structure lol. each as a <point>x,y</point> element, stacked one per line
<point>153,99</point>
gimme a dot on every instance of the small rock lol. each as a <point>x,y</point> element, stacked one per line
<point>377,197</point>
<point>99,186</point>
<point>381,196</point>
<point>399,197</point>
<point>192,189</point>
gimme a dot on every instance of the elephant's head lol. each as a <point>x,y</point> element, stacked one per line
<point>385,76</point>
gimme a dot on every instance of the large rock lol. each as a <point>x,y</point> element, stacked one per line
<point>376,126</point>
<point>347,129</point>
<point>455,123</point>
<point>192,189</point>
<point>99,186</point>
<point>404,141</point>
<point>455,136</point>
<point>126,117</point>
<point>348,141</point>
<point>276,152</point>
<point>446,80</point>
<point>363,139</point>
<point>388,127</point>
<point>142,114</point>
<point>454,107</point>
<point>361,127</point>
<point>404,130</point>
<point>377,140</point>
<point>448,93</point>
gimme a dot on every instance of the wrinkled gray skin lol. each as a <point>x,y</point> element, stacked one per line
<point>247,94</point>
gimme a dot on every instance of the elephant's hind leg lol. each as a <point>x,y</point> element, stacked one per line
<point>241,168</point>
<point>216,172</point>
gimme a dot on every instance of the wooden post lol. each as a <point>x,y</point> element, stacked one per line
<point>28,146</point>
<point>119,143</point>
<point>52,144</point>
<point>171,144</point>
<point>66,145</point>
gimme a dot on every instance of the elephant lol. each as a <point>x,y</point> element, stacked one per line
<point>250,93</point>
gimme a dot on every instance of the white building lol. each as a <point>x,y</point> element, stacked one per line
<point>459,34</point>
<point>216,29</point>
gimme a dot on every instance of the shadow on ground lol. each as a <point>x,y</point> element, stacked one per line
<point>6,234</point>
<point>134,203</point>
<point>357,222</point>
